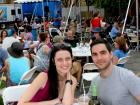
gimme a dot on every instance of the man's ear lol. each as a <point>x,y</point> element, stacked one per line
<point>111,54</point>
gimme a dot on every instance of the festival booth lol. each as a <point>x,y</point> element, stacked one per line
<point>39,9</point>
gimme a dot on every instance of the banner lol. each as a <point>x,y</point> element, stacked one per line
<point>3,13</point>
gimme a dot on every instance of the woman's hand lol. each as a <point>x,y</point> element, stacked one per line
<point>68,76</point>
<point>57,101</point>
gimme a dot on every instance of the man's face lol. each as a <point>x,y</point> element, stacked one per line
<point>101,56</point>
<point>70,35</point>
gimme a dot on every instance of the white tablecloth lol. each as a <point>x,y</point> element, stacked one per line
<point>81,51</point>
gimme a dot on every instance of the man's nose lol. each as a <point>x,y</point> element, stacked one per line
<point>99,57</point>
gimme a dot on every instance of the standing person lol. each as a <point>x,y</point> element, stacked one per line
<point>115,85</point>
<point>96,21</point>
<point>56,86</point>
<point>57,20</point>
<point>115,30</point>
<point>16,24</point>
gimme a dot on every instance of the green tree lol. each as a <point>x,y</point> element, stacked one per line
<point>111,5</point>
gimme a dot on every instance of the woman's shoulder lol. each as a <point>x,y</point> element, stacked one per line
<point>43,76</point>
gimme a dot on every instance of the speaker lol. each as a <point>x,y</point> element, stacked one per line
<point>19,11</point>
<point>46,8</point>
<point>12,12</point>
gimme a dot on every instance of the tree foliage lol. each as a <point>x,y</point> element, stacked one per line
<point>67,3</point>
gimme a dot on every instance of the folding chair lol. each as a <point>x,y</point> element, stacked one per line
<point>133,40</point>
<point>27,75</point>
<point>111,40</point>
<point>13,93</point>
<point>89,75</point>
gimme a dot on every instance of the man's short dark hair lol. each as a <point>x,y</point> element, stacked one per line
<point>101,41</point>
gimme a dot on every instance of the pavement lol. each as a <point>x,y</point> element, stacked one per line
<point>134,62</point>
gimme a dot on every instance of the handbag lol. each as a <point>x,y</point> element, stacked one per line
<point>3,82</point>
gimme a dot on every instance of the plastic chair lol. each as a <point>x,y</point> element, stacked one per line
<point>13,93</point>
<point>90,74</point>
<point>27,75</point>
<point>112,40</point>
<point>123,60</point>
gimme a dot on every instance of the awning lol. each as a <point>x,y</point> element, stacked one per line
<point>26,1</point>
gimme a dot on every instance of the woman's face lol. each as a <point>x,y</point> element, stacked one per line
<point>4,34</point>
<point>116,45</point>
<point>63,61</point>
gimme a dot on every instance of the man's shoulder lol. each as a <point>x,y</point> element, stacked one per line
<point>123,72</point>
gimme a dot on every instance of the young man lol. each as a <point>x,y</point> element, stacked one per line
<point>115,85</point>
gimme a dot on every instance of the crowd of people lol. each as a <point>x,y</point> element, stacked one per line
<point>58,72</point>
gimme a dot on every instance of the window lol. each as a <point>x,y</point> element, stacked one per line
<point>2,1</point>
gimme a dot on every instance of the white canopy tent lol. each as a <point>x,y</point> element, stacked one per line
<point>26,1</point>
<point>137,21</point>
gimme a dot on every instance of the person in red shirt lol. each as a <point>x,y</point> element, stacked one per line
<point>96,21</point>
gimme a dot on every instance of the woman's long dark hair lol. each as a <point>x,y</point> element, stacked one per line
<point>52,72</point>
<point>1,35</point>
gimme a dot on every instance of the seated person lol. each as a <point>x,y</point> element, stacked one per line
<point>3,35</point>
<point>71,39</point>
<point>76,65</point>
<point>17,63</point>
<point>43,51</point>
<point>121,50</point>
<point>115,85</point>
<point>115,30</point>
<point>7,42</point>
<point>56,85</point>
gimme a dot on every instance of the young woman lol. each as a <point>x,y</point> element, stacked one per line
<point>55,86</point>
<point>121,49</point>
<point>4,34</point>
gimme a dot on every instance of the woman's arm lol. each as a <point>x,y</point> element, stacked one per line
<point>69,90</point>
<point>5,67</point>
<point>115,60</point>
<point>38,83</point>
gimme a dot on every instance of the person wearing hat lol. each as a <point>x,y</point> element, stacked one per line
<point>95,34</point>
<point>18,64</point>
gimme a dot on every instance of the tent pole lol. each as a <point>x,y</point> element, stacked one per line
<point>68,18</point>
<point>137,23</point>
<point>126,16</point>
<point>80,19</point>
<point>33,14</point>
<point>43,15</point>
